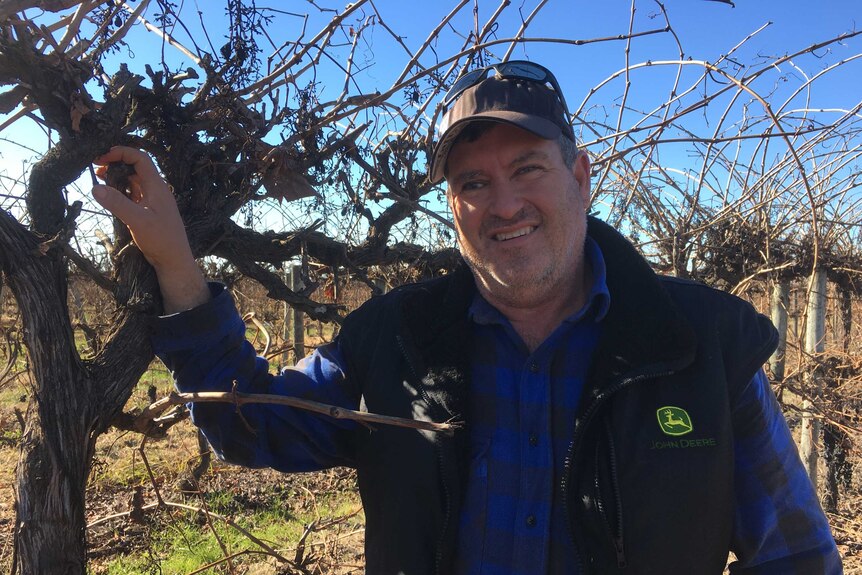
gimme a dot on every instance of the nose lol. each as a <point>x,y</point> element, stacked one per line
<point>506,200</point>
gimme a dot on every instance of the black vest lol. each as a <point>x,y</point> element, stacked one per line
<point>650,468</point>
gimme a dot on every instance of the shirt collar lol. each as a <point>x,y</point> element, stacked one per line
<point>596,306</point>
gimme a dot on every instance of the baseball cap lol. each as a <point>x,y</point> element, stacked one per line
<point>523,102</point>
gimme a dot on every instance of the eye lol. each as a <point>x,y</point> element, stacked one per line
<point>471,187</point>
<point>527,169</point>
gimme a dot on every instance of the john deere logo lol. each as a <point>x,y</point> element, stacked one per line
<point>673,420</point>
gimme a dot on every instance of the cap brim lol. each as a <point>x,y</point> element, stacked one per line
<point>534,124</point>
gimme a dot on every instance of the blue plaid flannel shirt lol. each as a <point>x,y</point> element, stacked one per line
<point>522,408</point>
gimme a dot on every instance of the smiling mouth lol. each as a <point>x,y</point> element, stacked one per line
<point>515,234</point>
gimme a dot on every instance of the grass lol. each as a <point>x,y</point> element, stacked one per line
<point>180,548</point>
<point>272,508</point>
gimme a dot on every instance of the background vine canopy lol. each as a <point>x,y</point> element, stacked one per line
<point>693,115</point>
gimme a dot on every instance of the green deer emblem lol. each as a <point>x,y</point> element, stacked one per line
<point>674,420</point>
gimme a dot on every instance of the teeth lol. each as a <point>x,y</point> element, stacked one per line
<point>514,234</point>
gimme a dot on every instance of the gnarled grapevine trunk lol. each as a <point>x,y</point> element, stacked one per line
<point>57,443</point>
<point>72,401</point>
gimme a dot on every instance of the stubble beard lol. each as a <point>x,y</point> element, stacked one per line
<point>518,282</point>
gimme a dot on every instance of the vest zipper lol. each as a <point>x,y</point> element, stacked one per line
<point>614,529</point>
<point>617,534</point>
<point>447,497</point>
<point>574,445</point>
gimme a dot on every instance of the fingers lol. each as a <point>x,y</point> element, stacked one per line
<point>147,195</point>
<point>140,160</point>
<point>149,210</point>
<point>115,202</point>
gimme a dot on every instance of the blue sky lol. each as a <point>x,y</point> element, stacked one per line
<point>706,29</point>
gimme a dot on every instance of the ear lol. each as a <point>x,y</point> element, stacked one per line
<point>581,171</point>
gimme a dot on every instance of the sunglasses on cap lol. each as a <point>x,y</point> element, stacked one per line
<point>517,69</point>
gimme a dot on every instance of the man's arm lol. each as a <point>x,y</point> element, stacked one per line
<point>206,350</point>
<point>779,526</point>
<point>150,212</point>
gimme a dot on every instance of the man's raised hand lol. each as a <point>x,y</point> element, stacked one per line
<point>148,209</point>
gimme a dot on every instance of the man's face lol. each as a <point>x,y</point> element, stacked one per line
<point>520,213</point>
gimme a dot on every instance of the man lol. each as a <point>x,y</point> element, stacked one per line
<point>614,421</point>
